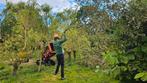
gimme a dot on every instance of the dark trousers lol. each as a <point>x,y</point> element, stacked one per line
<point>60,60</point>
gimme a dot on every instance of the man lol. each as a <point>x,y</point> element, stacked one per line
<point>59,53</point>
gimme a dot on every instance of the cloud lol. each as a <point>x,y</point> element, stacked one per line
<point>56,5</point>
<point>13,1</point>
<point>2,1</point>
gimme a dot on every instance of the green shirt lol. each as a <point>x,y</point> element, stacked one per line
<point>58,45</point>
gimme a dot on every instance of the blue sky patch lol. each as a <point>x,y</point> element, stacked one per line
<point>2,6</point>
<point>56,5</point>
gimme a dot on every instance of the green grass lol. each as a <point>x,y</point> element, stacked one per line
<point>74,74</point>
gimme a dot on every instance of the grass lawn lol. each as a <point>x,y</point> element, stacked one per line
<point>74,74</point>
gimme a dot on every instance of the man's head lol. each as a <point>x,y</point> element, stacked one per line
<point>56,36</point>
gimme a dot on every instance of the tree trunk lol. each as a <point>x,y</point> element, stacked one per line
<point>74,54</point>
<point>40,55</point>
<point>69,57</point>
<point>39,67</point>
<point>15,67</point>
<point>25,37</point>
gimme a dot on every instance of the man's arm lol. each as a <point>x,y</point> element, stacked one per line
<point>63,39</point>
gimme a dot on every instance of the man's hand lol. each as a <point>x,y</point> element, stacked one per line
<point>66,30</point>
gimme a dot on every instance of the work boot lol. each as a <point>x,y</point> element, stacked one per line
<point>62,78</point>
<point>55,73</point>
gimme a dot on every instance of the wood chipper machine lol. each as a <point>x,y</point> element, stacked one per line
<point>46,56</point>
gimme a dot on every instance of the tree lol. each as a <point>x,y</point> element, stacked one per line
<point>21,29</point>
<point>117,34</point>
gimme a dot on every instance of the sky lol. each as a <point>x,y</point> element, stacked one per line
<point>1,8</point>
<point>57,5</point>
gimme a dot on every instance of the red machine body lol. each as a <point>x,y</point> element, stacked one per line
<point>48,52</point>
